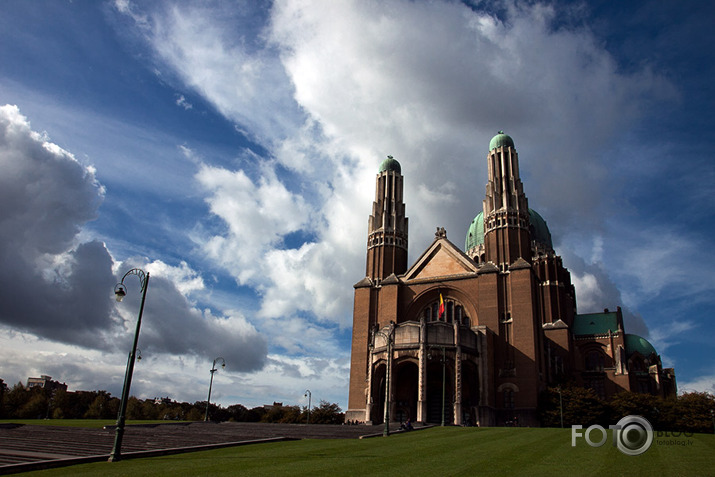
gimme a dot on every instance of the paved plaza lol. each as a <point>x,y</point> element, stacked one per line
<point>30,447</point>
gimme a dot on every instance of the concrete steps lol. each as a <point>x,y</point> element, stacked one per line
<point>30,447</point>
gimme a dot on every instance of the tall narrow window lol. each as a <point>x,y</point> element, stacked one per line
<point>508,399</point>
<point>594,361</point>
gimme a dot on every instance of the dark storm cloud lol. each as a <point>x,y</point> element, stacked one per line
<point>54,286</point>
<point>49,285</point>
<point>172,325</point>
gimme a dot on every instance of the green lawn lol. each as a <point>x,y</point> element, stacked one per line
<point>433,452</point>
<point>91,423</point>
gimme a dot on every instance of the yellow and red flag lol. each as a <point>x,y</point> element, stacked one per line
<point>441,306</point>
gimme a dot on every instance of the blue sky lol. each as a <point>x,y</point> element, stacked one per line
<point>230,149</point>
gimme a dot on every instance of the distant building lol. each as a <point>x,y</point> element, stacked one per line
<point>268,407</point>
<point>45,382</point>
<point>488,327</point>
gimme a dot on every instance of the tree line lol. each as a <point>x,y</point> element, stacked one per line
<point>21,402</point>
<point>689,412</point>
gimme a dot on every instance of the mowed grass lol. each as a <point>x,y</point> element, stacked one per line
<point>90,423</point>
<point>439,451</point>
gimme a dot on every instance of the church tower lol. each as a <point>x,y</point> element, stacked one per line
<point>376,295</point>
<point>387,225</point>
<point>506,209</point>
<point>518,344</point>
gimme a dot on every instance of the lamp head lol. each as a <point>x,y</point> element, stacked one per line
<point>223,365</point>
<point>120,291</point>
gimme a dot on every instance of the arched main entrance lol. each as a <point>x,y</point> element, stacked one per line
<point>435,403</point>
<point>470,393</point>
<point>405,391</point>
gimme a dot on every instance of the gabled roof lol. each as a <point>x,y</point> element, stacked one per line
<point>441,259</point>
<point>595,323</point>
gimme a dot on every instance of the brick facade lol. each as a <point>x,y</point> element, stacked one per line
<point>488,328</point>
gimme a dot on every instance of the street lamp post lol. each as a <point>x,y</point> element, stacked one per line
<point>213,370</point>
<point>309,395</point>
<point>561,408</point>
<point>388,341</point>
<point>120,291</point>
<point>444,363</point>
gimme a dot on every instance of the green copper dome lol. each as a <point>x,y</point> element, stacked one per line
<point>636,343</point>
<point>475,234</point>
<point>537,227</point>
<point>390,164</point>
<point>501,140</point>
<point>539,230</point>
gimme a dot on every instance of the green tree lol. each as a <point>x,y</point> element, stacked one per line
<point>101,407</point>
<point>283,414</point>
<point>79,402</point>
<point>3,390</point>
<point>134,409</point>
<point>150,410</point>
<point>15,398</point>
<point>694,412</point>
<point>628,403</point>
<point>580,406</point>
<point>327,413</point>
<point>35,407</point>
<point>59,404</point>
<point>195,414</point>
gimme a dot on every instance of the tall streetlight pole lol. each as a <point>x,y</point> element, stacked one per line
<point>213,370</point>
<point>388,341</point>
<point>309,395</point>
<point>120,291</point>
<point>444,363</point>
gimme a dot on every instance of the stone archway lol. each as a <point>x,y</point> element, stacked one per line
<point>377,394</point>
<point>434,392</point>
<point>470,393</point>
<point>405,391</point>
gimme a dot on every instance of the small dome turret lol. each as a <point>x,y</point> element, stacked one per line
<point>390,164</point>
<point>501,140</point>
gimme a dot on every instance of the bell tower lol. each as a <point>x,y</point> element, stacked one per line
<point>376,294</point>
<point>387,225</point>
<point>506,209</point>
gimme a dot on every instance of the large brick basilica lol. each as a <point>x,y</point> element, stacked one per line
<point>471,337</point>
